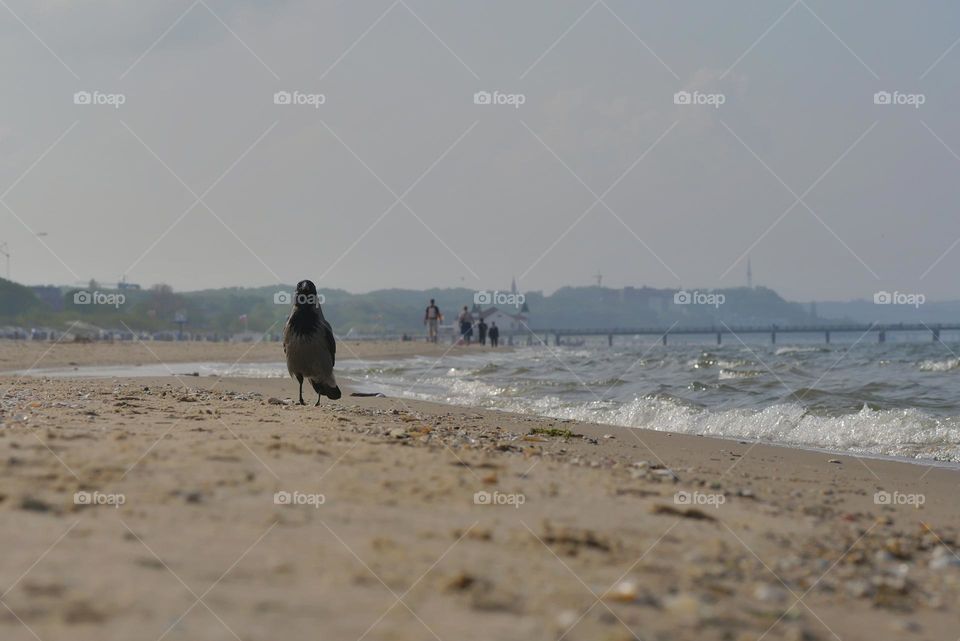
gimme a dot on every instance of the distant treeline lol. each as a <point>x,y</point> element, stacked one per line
<point>264,309</point>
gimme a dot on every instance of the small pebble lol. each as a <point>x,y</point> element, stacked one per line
<point>770,593</point>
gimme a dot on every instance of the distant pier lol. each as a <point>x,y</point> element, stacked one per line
<point>664,333</point>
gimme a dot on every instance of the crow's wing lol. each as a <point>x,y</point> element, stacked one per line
<point>286,335</point>
<point>331,341</point>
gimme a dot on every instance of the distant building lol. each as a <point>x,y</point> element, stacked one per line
<point>511,318</point>
<point>507,322</point>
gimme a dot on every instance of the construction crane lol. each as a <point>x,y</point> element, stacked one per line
<point>5,252</point>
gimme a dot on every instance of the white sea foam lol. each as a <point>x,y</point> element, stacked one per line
<point>939,366</point>
<point>794,349</point>
<point>909,433</point>
<point>726,374</point>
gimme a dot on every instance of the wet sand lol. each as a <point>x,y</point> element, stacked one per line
<point>246,517</point>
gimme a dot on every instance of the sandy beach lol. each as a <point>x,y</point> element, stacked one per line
<point>22,355</point>
<point>206,508</point>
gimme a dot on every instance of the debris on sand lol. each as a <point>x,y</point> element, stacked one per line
<point>35,505</point>
<point>572,540</point>
<point>687,513</point>
<point>553,431</point>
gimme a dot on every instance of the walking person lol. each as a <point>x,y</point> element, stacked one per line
<point>494,334</point>
<point>466,325</point>
<point>432,318</point>
<point>482,331</point>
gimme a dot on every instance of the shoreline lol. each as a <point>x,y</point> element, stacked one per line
<point>488,524</point>
<point>264,352</point>
<point>951,465</point>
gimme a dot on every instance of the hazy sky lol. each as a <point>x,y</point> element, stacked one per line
<point>832,195</point>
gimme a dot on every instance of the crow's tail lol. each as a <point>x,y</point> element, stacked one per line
<point>330,391</point>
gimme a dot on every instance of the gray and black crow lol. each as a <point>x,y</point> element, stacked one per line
<point>309,344</point>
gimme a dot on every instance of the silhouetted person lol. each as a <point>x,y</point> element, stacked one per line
<point>494,334</point>
<point>482,331</point>
<point>432,318</point>
<point>466,325</point>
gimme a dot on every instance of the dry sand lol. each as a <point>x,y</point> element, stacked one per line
<point>21,355</point>
<point>587,539</point>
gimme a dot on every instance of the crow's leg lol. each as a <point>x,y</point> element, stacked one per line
<point>300,380</point>
<point>319,396</point>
